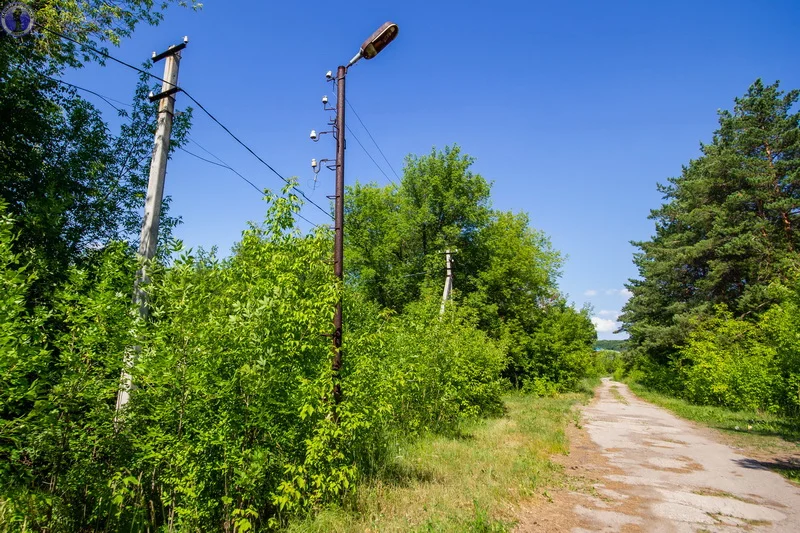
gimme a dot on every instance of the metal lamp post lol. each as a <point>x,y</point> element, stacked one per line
<point>369,49</point>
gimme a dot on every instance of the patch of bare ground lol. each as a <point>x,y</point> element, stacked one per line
<point>584,500</point>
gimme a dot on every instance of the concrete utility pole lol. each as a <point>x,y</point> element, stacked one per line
<point>155,195</point>
<point>338,244</point>
<point>448,282</point>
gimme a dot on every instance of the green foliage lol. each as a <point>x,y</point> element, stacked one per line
<point>505,271</point>
<point>728,362</point>
<point>782,323</point>
<point>728,227</point>
<point>231,422</point>
<point>608,362</point>
<point>396,237</point>
<point>70,184</point>
<point>57,439</point>
<point>555,355</point>
<point>613,344</point>
<point>93,22</point>
<point>709,319</point>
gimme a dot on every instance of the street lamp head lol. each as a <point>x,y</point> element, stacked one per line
<point>376,42</point>
<point>324,100</point>
<point>313,135</point>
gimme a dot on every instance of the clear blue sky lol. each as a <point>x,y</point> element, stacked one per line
<point>575,110</point>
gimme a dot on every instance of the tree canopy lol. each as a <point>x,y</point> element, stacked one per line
<point>728,228</point>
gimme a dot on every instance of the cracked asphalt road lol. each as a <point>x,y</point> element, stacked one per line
<point>662,474</point>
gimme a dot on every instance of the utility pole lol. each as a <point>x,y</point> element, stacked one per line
<point>155,195</point>
<point>338,244</point>
<point>369,49</point>
<point>448,282</point>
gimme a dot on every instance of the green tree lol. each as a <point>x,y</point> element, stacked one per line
<point>69,183</point>
<point>612,344</point>
<point>728,227</point>
<point>92,22</point>
<point>395,238</point>
<point>506,272</point>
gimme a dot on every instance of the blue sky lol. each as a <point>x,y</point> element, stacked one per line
<point>575,110</point>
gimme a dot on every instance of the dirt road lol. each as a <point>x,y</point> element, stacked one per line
<point>651,471</point>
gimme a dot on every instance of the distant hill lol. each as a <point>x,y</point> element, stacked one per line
<point>617,345</point>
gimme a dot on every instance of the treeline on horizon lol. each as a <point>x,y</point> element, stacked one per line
<point>616,345</point>
<point>230,426</point>
<point>715,312</point>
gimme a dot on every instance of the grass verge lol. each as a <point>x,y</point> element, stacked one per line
<point>772,441</point>
<point>469,483</point>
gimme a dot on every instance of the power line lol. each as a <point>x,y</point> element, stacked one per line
<point>235,138</point>
<point>223,164</point>
<point>106,99</point>
<point>353,109</point>
<point>370,156</point>
<point>253,185</point>
<point>201,106</point>
<point>104,54</point>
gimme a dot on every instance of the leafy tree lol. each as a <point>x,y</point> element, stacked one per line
<point>517,271</point>
<point>92,22</point>
<point>728,227</point>
<point>729,362</point>
<point>612,344</point>
<point>506,272</point>
<point>395,239</point>
<point>781,324</point>
<point>70,184</point>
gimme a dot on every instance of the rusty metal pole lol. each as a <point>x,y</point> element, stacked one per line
<point>338,245</point>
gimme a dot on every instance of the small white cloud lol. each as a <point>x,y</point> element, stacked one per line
<point>603,325</point>
<point>607,313</point>
<point>590,292</point>
<point>625,293</point>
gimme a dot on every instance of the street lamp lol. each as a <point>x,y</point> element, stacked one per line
<point>369,49</point>
<point>376,42</point>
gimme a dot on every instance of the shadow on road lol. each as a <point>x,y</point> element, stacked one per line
<point>789,468</point>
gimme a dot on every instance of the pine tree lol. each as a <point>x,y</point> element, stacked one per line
<point>728,227</point>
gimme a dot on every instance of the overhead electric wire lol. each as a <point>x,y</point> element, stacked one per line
<point>105,54</point>
<point>221,163</point>
<point>353,109</point>
<point>253,185</point>
<point>235,138</point>
<point>370,155</point>
<point>201,106</point>
<point>225,165</point>
<point>106,99</point>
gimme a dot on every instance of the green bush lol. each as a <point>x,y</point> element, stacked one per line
<point>231,424</point>
<point>729,362</point>
<point>782,324</point>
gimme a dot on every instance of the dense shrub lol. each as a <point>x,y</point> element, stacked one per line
<point>729,362</point>
<point>782,324</point>
<point>557,354</point>
<point>231,423</point>
<point>607,363</point>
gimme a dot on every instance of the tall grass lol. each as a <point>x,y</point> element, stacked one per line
<point>472,480</point>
